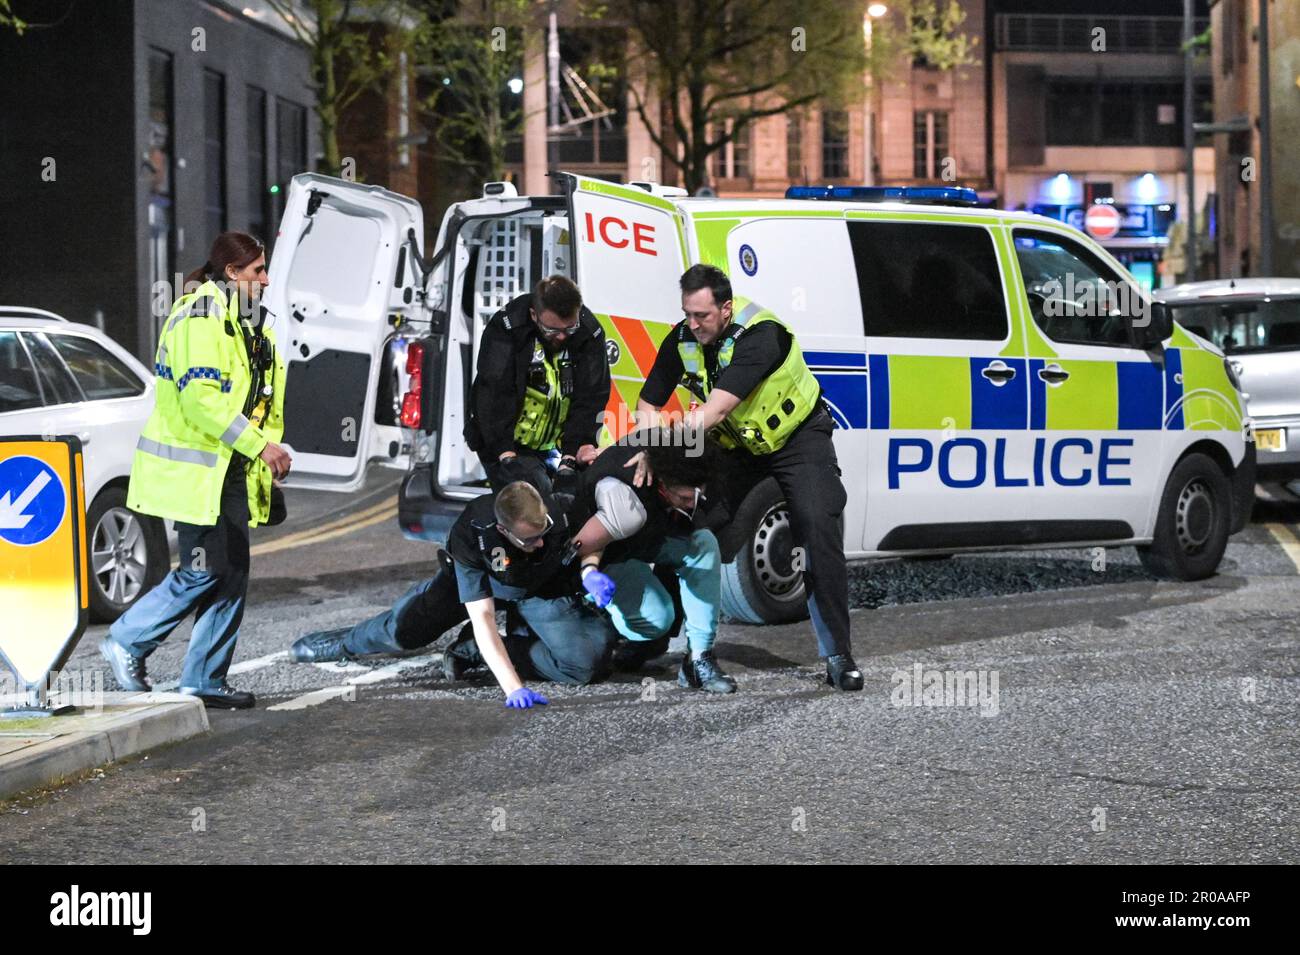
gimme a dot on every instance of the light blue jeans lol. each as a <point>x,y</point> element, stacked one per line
<point>643,610</point>
<point>211,583</point>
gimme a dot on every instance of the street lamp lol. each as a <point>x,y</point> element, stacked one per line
<point>874,12</point>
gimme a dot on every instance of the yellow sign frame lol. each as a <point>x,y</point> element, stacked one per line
<point>44,586</point>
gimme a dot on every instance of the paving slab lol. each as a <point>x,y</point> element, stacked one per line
<point>40,751</point>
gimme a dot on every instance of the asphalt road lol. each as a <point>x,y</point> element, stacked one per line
<point>1122,720</point>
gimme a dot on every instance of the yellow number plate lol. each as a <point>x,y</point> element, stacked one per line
<point>1274,439</point>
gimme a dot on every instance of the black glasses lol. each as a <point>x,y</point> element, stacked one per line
<point>526,541</point>
<point>547,332</point>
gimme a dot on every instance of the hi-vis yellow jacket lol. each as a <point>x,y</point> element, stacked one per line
<point>202,380</point>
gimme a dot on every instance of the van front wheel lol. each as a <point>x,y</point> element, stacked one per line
<point>1193,524</point>
<point>764,583</point>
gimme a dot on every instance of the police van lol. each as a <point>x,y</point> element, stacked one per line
<point>997,379</point>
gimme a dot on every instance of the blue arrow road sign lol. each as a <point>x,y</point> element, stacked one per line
<point>32,500</point>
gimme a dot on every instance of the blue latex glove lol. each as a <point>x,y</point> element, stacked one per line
<point>600,586</point>
<point>524,698</point>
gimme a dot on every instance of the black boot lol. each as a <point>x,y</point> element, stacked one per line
<point>461,655</point>
<point>224,697</point>
<point>321,647</point>
<point>127,669</point>
<point>632,655</point>
<point>703,673</point>
<point>842,673</point>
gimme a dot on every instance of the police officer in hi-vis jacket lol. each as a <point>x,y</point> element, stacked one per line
<point>541,384</point>
<point>759,398</point>
<point>207,459</point>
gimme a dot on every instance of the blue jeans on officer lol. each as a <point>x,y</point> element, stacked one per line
<point>569,642</point>
<point>211,582</point>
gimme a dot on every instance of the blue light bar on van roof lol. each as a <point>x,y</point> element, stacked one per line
<point>929,195</point>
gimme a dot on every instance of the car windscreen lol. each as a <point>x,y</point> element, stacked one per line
<point>1244,327</point>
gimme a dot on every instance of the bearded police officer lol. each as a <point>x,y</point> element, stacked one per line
<point>541,384</point>
<point>206,460</point>
<point>752,388</point>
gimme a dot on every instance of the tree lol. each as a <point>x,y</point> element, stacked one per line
<point>347,59</point>
<point>471,60</point>
<point>7,18</point>
<point>719,66</point>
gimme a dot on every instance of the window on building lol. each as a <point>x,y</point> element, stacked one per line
<point>159,152</point>
<point>928,281</point>
<point>56,379</point>
<point>732,160</point>
<point>214,152</point>
<point>929,143</point>
<point>99,373</point>
<point>835,144</point>
<point>1124,113</point>
<point>290,148</point>
<point>18,387</point>
<point>795,170</point>
<point>258,197</point>
<point>1073,295</point>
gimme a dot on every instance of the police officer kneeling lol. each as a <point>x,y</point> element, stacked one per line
<point>763,403</point>
<point>541,383</point>
<point>506,547</point>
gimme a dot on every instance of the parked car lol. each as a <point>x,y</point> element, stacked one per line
<point>58,377</point>
<point>1256,324</point>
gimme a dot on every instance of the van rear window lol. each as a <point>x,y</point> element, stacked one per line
<point>927,280</point>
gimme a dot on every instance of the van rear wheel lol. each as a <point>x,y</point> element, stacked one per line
<point>1193,524</point>
<point>764,583</point>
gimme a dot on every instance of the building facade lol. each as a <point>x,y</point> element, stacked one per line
<point>135,130</point>
<point>1238,148</point>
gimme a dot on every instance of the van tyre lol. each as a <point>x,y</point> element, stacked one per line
<point>761,584</point>
<point>1193,523</point>
<point>128,554</point>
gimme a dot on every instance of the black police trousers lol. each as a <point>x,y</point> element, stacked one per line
<point>808,472</point>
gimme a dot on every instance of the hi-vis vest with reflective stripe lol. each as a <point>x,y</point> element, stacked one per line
<point>764,421</point>
<point>201,383</point>
<point>546,400</point>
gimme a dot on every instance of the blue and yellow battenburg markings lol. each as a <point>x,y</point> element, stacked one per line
<point>857,389</point>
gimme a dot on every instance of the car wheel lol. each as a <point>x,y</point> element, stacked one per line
<point>763,584</point>
<point>128,554</point>
<point>1193,524</point>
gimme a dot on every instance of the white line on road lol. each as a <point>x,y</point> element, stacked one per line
<point>244,666</point>
<point>393,670</point>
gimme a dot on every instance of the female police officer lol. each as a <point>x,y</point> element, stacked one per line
<point>206,460</point>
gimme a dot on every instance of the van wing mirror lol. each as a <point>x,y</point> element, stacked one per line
<point>1152,325</point>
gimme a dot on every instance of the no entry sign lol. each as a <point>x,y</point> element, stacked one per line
<point>1102,221</point>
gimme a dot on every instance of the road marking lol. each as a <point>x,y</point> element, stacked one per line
<point>337,528</point>
<point>244,666</point>
<point>1290,543</point>
<point>378,675</point>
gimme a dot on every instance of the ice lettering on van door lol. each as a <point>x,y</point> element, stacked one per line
<point>617,234</point>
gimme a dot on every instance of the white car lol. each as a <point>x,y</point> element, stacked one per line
<point>1256,323</point>
<point>58,377</point>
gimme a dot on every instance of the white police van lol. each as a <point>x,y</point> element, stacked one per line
<point>998,380</point>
